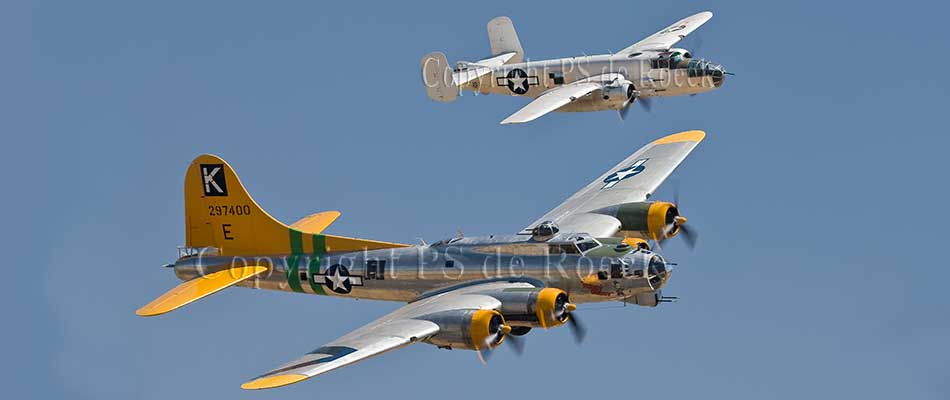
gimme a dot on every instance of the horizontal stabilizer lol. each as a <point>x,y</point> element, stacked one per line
<point>316,223</point>
<point>197,288</point>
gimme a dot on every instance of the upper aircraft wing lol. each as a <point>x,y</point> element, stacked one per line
<point>634,179</point>
<point>666,38</point>
<point>558,97</point>
<point>404,326</point>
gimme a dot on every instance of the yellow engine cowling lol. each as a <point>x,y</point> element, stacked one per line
<point>552,307</point>
<point>487,329</point>
<point>469,329</point>
<point>647,220</point>
<point>540,308</point>
<point>637,243</point>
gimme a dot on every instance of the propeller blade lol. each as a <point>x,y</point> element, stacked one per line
<point>623,111</point>
<point>647,103</point>
<point>676,193</point>
<point>689,235</point>
<point>577,328</point>
<point>484,352</point>
<point>697,43</point>
<point>484,355</point>
<point>517,344</point>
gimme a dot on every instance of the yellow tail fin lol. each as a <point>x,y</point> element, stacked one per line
<point>220,213</point>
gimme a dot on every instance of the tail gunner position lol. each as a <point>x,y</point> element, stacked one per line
<point>462,293</point>
<point>649,68</point>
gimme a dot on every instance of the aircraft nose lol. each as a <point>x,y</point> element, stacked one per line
<point>718,72</point>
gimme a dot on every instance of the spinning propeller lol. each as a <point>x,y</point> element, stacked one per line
<point>563,311</point>
<point>632,97</point>
<point>677,224</point>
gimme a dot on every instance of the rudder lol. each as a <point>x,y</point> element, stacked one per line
<point>438,78</point>
<point>503,39</point>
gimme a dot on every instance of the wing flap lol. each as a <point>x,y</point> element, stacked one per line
<point>552,100</point>
<point>198,288</point>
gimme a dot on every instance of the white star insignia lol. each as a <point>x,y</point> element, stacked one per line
<point>337,279</point>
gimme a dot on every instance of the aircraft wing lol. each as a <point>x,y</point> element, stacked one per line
<point>666,38</point>
<point>404,326</point>
<point>633,180</point>
<point>558,97</point>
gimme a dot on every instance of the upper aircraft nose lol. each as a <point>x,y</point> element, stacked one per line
<point>702,68</point>
<point>718,73</point>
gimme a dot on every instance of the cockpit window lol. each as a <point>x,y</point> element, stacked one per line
<point>563,248</point>
<point>660,63</point>
<point>587,245</point>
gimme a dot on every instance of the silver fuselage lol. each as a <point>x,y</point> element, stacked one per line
<point>609,271</point>
<point>672,74</point>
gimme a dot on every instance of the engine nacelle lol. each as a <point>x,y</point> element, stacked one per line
<point>647,220</point>
<point>469,329</point>
<point>618,94</point>
<point>544,308</point>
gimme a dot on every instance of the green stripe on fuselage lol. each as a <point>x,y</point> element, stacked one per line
<point>319,250</point>
<point>293,260</point>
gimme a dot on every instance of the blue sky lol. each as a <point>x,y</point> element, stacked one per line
<point>819,193</point>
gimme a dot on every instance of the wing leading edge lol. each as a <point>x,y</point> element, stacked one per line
<point>632,180</point>
<point>558,97</point>
<point>666,38</point>
<point>405,325</point>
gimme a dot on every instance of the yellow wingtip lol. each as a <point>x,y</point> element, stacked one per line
<point>316,223</point>
<point>268,382</point>
<point>688,136</point>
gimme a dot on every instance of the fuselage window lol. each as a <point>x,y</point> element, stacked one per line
<point>376,269</point>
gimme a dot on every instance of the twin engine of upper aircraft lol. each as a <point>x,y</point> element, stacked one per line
<point>649,68</point>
